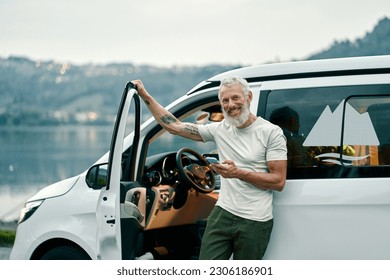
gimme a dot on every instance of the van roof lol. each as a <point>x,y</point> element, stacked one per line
<point>303,69</point>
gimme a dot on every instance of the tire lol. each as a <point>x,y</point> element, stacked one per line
<point>65,252</point>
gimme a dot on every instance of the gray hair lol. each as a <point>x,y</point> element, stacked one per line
<point>232,81</point>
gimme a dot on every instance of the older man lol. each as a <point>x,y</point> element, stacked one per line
<point>253,157</point>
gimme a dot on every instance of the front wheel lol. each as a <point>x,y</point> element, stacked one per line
<point>65,252</point>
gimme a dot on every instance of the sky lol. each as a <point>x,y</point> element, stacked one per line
<point>181,32</point>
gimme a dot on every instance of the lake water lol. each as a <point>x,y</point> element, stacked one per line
<point>34,157</point>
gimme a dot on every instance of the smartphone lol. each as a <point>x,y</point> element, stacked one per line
<point>212,160</point>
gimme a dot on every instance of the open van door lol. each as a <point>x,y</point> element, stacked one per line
<point>109,221</point>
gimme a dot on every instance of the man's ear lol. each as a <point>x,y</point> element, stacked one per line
<point>249,97</point>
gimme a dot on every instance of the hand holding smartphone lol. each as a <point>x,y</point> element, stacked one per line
<point>212,160</point>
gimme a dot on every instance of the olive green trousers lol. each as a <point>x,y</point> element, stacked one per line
<point>227,234</point>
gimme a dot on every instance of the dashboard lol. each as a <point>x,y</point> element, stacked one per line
<point>169,200</point>
<point>163,169</point>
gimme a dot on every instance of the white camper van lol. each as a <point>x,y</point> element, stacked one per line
<point>141,197</point>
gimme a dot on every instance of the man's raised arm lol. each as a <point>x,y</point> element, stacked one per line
<point>165,118</point>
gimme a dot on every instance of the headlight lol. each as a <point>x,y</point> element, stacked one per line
<point>29,209</point>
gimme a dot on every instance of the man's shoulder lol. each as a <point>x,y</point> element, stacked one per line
<point>266,124</point>
<point>210,125</point>
<point>207,131</point>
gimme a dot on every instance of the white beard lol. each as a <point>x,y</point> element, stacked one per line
<point>240,120</point>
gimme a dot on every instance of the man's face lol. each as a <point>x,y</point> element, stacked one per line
<point>235,106</point>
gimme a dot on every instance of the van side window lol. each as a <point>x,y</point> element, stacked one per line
<point>334,132</point>
<point>366,132</point>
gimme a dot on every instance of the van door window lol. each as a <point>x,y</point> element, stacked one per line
<point>168,142</point>
<point>331,131</point>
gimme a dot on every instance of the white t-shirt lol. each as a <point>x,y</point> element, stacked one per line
<point>250,148</point>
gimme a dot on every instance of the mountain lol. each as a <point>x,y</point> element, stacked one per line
<point>49,92</point>
<point>376,42</point>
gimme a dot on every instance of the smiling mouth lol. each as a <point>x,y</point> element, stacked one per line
<point>234,112</point>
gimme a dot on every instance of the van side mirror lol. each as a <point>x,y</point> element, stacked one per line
<point>97,176</point>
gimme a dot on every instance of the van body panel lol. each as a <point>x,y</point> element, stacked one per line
<point>310,69</point>
<point>319,219</point>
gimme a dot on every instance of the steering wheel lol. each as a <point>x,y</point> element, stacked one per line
<point>199,176</point>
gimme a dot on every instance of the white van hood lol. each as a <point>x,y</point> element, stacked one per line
<point>56,189</point>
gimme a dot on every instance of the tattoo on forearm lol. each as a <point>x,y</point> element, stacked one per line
<point>145,100</point>
<point>193,129</point>
<point>168,119</point>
